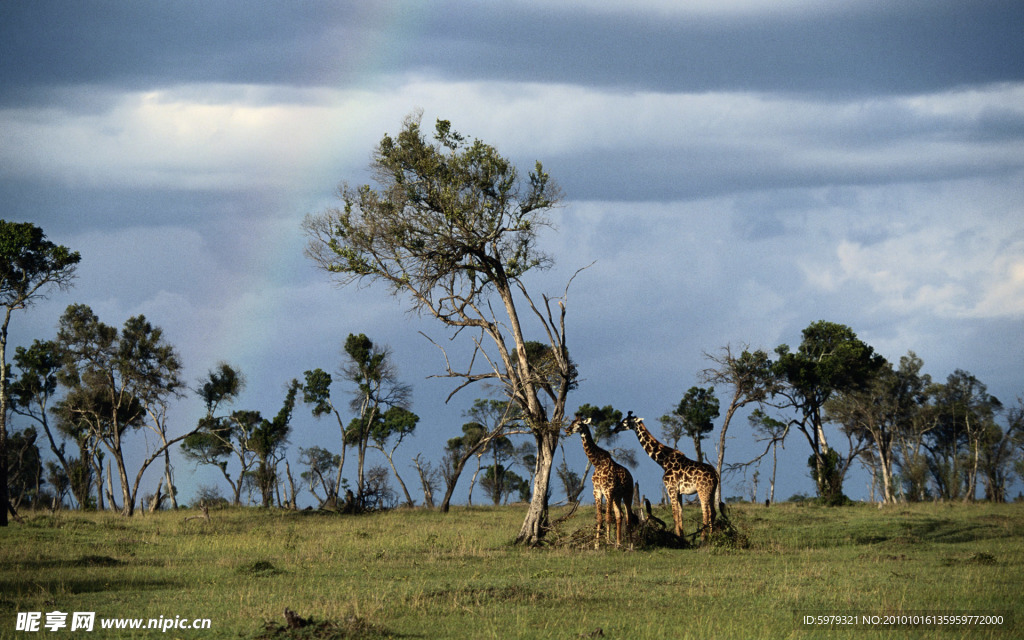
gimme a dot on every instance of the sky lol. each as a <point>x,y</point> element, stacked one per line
<point>733,171</point>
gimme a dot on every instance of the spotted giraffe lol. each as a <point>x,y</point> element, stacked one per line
<point>682,475</point>
<point>612,482</point>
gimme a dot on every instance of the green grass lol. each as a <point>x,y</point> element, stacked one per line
<point>421,574</point>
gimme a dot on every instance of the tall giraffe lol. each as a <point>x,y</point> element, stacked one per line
<point>682,475</point>
<point>611,481</point>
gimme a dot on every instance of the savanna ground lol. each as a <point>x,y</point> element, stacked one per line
<point>422,574</point>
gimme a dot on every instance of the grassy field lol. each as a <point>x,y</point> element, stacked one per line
<point>421,574</point>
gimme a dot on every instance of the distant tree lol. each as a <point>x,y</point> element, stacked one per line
<point>320,464</point>
<point>693,417</point>
<point>501,483</point>
<point>31,395</point>
<point>490,419</point>
<point>458,451</point>
<point>25,468</point>
<point>830,359</point>
<point>453,226</point>
<point>996,446</point>
<point>220,436</point>
<point>430,479</point>
<point>118,383</point>
<point>752,380</point>
<point>317,392</point>
<point>501,451</point>
<point>572,482</point>
<point>372,370</point>
<point>377,491</point>
<point>30,267</point>
<point>58,478</point>
<point>774,432</point>
<point>388,432</point>
<point>268,440</point>
<point>886,406</point>
<point>962,412</point>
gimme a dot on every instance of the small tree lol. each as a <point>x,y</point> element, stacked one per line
<point>31,395</point>
<point>317,392</point>
<point>25,468</point>
<point>453,226</point>
<point>752,380</point>
<point>30,267</point>
<point>880,410</point>
<point>118,383</point>
<point>430,479</point>
<point>267,441</point>
<point>320,463</point>
<point>693,417</point>
<point>390,429</point>
<point>219,436</point>
<point>774,431</point>
<point>372,370</point>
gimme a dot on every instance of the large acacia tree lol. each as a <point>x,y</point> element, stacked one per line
<point>452,226</point>
<point>830,360</point>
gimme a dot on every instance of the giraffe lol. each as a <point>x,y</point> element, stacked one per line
<point>611,481</point>
<point>682,475</point>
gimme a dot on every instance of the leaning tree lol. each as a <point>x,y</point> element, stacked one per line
<point>452,225</point>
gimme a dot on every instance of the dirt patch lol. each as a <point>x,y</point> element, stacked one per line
<point>295,626</point>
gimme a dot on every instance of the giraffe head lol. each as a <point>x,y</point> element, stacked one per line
<point>576,425</point>
<point>629,423</point>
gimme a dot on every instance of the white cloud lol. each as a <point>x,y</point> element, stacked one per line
<point>941,250</point>
<point>250,137</point>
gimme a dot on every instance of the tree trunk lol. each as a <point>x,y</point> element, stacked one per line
<point>128,508</point>
<point>169,479</point>
<point>428,494</point>
<point>157,498</point>
<point>721,445</point>
<point>97,470</point>
<point>292,502</point>
<point>110,486</point>
<point>4,497</point>
<point>450,489</point>
<point>885,454</point>
<point>536,522</point>
<point>472,481</point>
<point>408,498</point>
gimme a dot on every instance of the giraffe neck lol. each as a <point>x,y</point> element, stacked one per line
<point>595,454</point>
<point>658,452</point>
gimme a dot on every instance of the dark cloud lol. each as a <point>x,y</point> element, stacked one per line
<point>906,48</point>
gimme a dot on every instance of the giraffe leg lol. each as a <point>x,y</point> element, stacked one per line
<point>608,507</point>
<point>677,509</point>
<point>707,513</point>
<point>618,522</point>
<point>598,513</point>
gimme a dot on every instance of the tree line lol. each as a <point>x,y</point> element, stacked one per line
<point>451,227</point>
